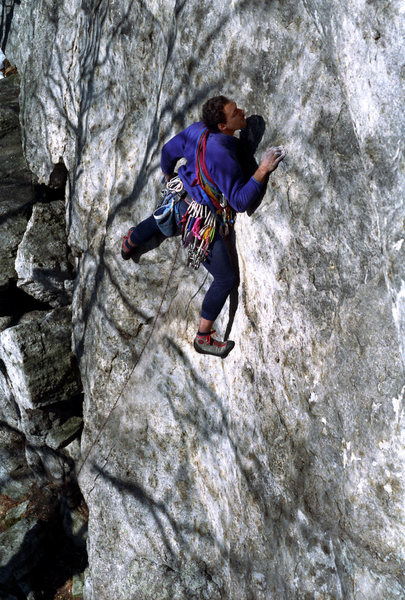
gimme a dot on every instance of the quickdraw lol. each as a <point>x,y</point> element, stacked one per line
<point>167,214</point>
<point>198,230</point>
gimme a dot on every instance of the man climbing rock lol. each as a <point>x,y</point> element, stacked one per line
<point>208,192</point>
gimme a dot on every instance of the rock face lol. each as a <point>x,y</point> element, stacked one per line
<point>279,472</point>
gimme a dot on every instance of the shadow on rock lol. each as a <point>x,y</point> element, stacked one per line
<point>40,554</point>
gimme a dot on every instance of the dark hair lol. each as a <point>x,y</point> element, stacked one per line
<point>213,112</point>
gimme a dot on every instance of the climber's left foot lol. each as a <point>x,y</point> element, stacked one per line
<point>210,344</point>
<point>127,248</point>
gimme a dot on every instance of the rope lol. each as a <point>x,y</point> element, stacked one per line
<point>100,431</point>
<point>190,301</point>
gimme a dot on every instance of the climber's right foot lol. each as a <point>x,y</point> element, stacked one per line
<point>210,344</point>
<point>128,248</point>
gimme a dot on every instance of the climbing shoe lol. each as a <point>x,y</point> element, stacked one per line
<point>210,344</point>
<point>127,248</point>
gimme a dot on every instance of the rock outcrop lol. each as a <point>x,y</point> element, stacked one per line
<point>42,262</point>
<point>42,514</point>
<point>16,194</point>
<point>279,472</point>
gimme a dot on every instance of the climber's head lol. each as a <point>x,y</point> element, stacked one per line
<point>222,115</point>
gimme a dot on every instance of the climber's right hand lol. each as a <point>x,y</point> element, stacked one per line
<point>269,163</point>
<point>272,157</point>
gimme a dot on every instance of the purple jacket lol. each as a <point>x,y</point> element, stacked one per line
<point>222,163</point>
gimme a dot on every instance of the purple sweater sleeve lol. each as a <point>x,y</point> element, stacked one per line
<point>172,151</point>
<point>225,170</point>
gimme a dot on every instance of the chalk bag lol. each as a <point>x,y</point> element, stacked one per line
<point>165,214</point>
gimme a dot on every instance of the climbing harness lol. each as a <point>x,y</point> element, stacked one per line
<point>199,223</point>
<point>166,214</point>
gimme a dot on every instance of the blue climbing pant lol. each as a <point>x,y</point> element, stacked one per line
<point>218,264</point>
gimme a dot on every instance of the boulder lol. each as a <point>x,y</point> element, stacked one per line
<point>5,322</point>
<point>16,192</point>
<point>38,358</point>
<point>59,437</point>
<point>15,475</point>
<point>20,545</point>
<point>15,513</point>
<point>42,263</point>
<point>9,411</point>
<point>34,550</point>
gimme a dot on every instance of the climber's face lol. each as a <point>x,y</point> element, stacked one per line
<point>235,119</point>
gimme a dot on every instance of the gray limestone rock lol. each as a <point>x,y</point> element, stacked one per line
<point>77,586</point>
<point>42,263</point>
<point>54,466</point>
<point>15,475</point>
<point>279,472</point>
<point>54,426</point>
<point>20,549</point>
<point>61,436</point>
<point>16,194</point>
<point>5,322</point>
<point>15,514</point>
<point>38,359</point>
<point>75,524</point>
<point>9,410</point>
<point>72,450</point>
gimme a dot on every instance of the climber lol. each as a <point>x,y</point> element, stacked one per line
<point>209,190</point>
